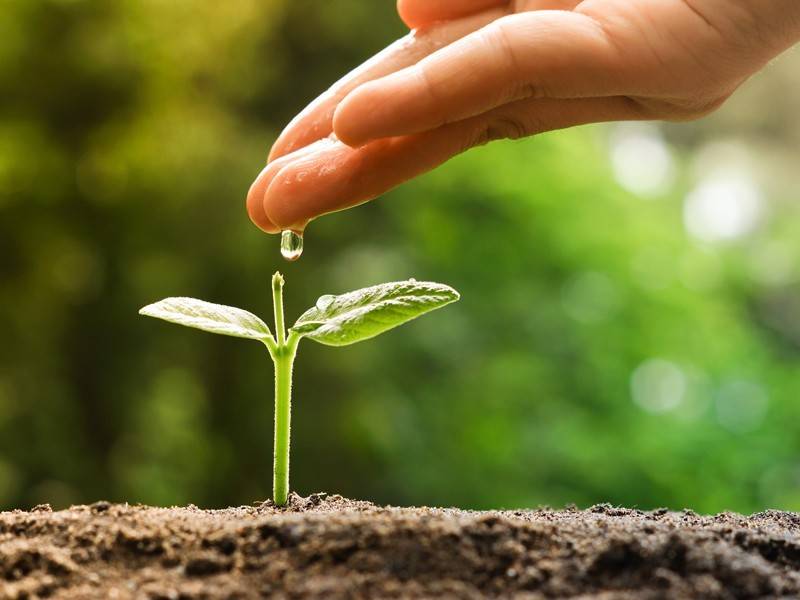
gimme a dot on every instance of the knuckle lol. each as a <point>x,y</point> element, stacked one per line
<point>677,110</point>
<point>431,91</point>
<point>500,42</point>
<point>480,138</point>
<point>502,38</point>
<point>697,109</point>
<point>504,127</point>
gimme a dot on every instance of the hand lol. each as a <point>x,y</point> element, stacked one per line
<point>473,71</point>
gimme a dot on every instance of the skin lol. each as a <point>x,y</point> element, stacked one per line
<point>473,71</point>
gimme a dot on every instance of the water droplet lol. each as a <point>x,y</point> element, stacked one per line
<point>324,302</point>
<point>291,244</point>
<point>412,280</point>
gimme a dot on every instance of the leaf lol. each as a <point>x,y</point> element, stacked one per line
<point>365,313</point>
<point>214,318</point>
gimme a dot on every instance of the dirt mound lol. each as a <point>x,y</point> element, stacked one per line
<point>330,547</point>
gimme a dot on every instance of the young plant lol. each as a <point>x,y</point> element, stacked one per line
<point>334,321</point>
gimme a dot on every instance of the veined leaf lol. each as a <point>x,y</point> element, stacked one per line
<point>214,318</point>
<point>362,314</point>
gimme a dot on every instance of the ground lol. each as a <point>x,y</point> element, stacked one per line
<point>330,547</point>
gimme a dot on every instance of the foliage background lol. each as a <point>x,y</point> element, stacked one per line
<point>630,324</point>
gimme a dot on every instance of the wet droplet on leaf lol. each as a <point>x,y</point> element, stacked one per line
<point>291,244</point>
<point>324,302</point>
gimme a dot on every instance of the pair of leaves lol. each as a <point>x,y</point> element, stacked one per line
<point>334,321</point>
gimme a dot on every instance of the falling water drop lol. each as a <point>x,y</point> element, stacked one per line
<point>291,244</point>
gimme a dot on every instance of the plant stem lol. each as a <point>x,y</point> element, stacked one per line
<point>283,417</point>
<point>277,307</point>
<point>283,357</point>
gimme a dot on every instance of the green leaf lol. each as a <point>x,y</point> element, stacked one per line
<point>214,318</point>
<point>365,313</point>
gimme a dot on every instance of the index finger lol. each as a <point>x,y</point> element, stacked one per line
<point>316,120</point>
<point>557,54</point>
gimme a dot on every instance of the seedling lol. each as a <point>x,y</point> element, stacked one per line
<point>334,321</point>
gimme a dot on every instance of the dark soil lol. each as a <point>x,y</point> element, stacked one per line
<point>329,547</point>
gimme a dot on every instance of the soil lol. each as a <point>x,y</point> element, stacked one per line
<point>330,547</point>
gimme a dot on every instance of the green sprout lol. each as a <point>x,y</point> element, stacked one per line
<point>334,321</point>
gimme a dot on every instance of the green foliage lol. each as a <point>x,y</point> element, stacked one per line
<point>365,313</point>
<point>334,321</point>
<point>206,316</point>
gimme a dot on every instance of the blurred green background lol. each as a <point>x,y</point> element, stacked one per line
<point>629,329</point>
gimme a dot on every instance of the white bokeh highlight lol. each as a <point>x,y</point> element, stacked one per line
<point>641,159</point>
<point>658,385</point>
<point>724,206</point>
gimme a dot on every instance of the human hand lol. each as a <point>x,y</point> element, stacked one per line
<point>473,71</point>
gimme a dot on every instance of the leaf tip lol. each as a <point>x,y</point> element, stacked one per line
<point>450,291</point>
<point>147,311</point>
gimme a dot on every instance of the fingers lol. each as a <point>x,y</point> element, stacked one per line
<point>255,201</point>
<point>258,190</point>
<point>338,176</point>
<point>315,121</point>
<point>533,54</point>
<point>420,13</point>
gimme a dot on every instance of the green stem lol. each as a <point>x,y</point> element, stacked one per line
<point>277,307</point>
<point>283,356</point>
<point>283,417</point>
